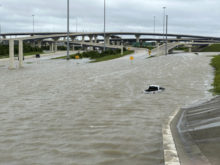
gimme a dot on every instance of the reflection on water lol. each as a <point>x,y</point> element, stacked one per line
<point>61,112</point>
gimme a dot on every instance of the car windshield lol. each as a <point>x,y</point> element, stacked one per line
<point>153,88</point>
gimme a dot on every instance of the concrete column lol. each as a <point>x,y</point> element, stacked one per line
<point>90,38</point>
<point>95,37</point>
<point>118,43</point>
<point>107,39</point>
<point>55,46</point>
<point>122,50</point>
<point>190,49</point>
<point>73,48</point>
<point>51,46</point>
<point>83,38</point>
<point>21,53</point>
<point>39,44</point>
<point>11,54</point>
<point>137,38</point>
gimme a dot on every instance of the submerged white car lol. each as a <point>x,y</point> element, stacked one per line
<point>154,89</point>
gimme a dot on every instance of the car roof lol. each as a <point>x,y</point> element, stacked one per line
<point>154,86</point>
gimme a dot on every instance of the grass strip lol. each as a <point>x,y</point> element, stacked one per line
<point>111,57</point>
<point>216,64</point>
<point>98,57</point>
<point>212,48</point>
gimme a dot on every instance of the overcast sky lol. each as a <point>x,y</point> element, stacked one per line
<point>200,17</point>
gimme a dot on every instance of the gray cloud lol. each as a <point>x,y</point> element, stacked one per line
<point>185,16</point>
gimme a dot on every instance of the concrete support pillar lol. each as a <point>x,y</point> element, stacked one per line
<point>21,53</point>
<point>11,54</point>
<point>122,50</point>
<point>51,46</point>
<point>90,38</point>
<point>190,49</point>
<point>118,43</point>
<point>83,38</point>
<point>39,44</point>
<point>137,38</point>
<point>73,47</point>
<point>95,37</point>
<point>107,39</point>
<point>55,46</point>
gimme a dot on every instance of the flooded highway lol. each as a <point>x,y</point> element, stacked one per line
<point>56,112</point>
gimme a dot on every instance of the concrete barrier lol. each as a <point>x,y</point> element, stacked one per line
<point>170,152</point>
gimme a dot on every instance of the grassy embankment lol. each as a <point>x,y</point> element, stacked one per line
<point>216,64</point>
<point>98,57</point>
<point>212,48</point>
<point>182,49</point>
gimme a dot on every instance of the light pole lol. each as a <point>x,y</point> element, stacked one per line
<point>154,24</point>
<point>76,24</point>
<point>164,17</point>
<point>104,27</point>
<point>166,34</point>
<point>33,22</point>
<point>68,31</point>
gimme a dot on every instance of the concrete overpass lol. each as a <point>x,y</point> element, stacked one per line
<point>136,34</point>
<point>113,40</point>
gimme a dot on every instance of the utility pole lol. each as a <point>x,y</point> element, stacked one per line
<point>164,17</point>
<point>166,34</point>
<point>154,24</point>
<point>33,22</point>
<point>76,24</point>
<point>104,27</point>
<point>68,31</point>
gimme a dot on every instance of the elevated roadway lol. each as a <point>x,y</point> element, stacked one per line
<point>113,40</point>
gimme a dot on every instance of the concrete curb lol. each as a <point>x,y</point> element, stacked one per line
<point>170,153</point>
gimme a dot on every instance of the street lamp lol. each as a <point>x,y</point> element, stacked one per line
<point>104,26</point>
<point>166,51</point>
<point>76,24</point>
<point>33,22</point>
<point>164,13</point>
<point>164,19</point>
<point>68,30</point>
<point>154,24</point>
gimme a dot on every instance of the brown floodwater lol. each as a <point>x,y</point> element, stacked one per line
<point>55,112</point>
